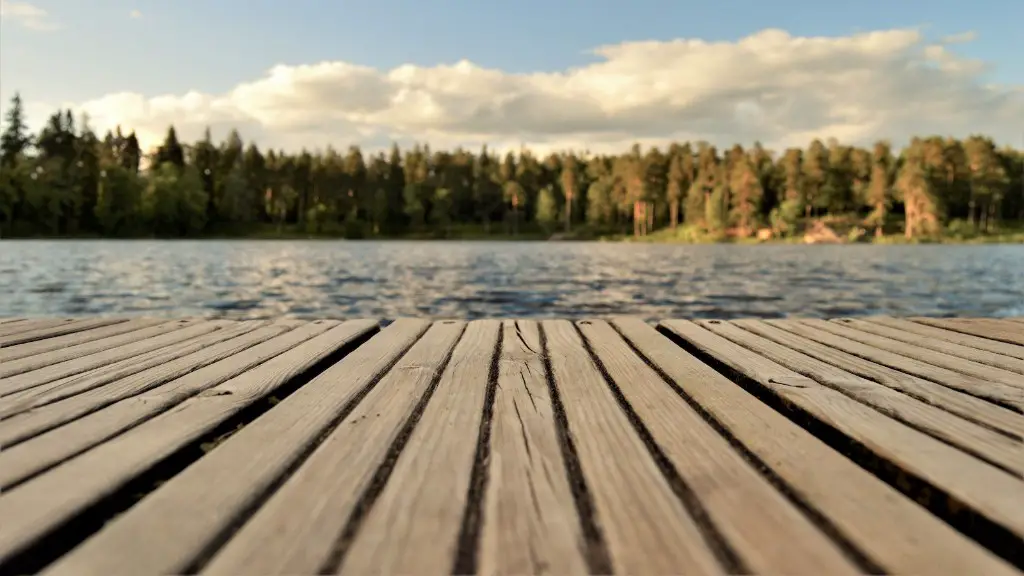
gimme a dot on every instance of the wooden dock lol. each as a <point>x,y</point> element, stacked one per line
<point>797,446</point>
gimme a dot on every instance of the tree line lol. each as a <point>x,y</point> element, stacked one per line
<point>68,181</point>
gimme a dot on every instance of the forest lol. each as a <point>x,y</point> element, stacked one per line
<point>68,181</point>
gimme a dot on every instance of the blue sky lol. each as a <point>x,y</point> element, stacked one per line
<point>774,88</point>
<point>212,45</point>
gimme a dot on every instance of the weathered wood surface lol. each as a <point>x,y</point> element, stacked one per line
<point>795,446</point>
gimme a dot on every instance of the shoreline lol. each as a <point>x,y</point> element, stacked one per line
<point>1011,238</point>
<point>830,231</point>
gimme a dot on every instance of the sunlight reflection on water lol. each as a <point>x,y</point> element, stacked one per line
<point>335,279</point>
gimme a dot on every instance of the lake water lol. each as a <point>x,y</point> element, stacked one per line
<point>258,279</point>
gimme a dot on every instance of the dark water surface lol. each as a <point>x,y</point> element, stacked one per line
<point>254,279</point>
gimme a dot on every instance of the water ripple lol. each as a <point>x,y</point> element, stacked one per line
<point>336,279</point>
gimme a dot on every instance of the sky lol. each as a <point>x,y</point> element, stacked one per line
<point>556,74</point>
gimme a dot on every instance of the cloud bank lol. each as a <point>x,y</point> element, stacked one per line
<point>771,86</point>
<point>27,15</point>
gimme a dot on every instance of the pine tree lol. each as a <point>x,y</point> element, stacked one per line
<point>15,139</point>
<point>678,184</point>
<point>547,208</point>
<point>171,151</point>
<point>569,179</point>
<point>878,196</point>
<point>923,210</point>
<point>746,196</point>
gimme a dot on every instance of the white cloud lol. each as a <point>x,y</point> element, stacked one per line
<point>961,38</point>
<point>135,14</point>
<point>770,86</point>
<point>27,15</point>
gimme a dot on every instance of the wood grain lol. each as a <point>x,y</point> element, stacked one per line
<point>66,368</point>
<point>206,500</point>
<point>63,347</point>
<point>970,482</point>
<point>973,354</point>
<point>935,358</point>
<point>20,401</point>
<point>1008,332</point>
<point>530,523</point>
<point>974,409</point>
<point>892,531</point>
<point>976,440</point>
<point>976,342</point>
<point>32,324</point>
<point>768,533</point>
<point>42,452</point>
<point>512,447</point>
<point>41,418</point>
<point>58,330</point>
<point>647,528</point>
<point>414,525</point>
<point>103,470</point>
<point>998,393</point>
<point>297,531</point>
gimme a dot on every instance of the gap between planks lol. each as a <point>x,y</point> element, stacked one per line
<point>368,516</point>
<point>99,473</point>
<point>950,478</point>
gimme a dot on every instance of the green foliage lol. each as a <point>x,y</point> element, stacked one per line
<point>786,216</point>
<point>600,204</point>
<point>315,218</point>
<point>170,152</point>
<point>441,211</point>
<point>547,208</point>
<point>9,192</point>
<point>716,210</point>
<point>174,202</point>
<point>414,207</point>
<point>234,203</point>
<point>119,204</point>
<point>66,181</point>
<point>15,140</point>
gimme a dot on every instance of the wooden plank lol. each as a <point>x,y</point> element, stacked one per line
<point>17,401</point>
<point>530,522</point>
<point>647,528</point>
<point>1000,332</point>
<point>194,509</point>
<point>945,360</point>
<point>297,531</point>
<point>966,481</point>
<point>416,523</point>
<point>974,409</point>
<point>29,458</point>
<point>48,413</point>
<point>52,372</point>
<point>61,345</point>
<point>973,354</point>
<point>7,320</point>
<point>769,534</point>
<point>61,329</point>
<point>976,342</point>
<point>892,532</point>
<point>12,366</point>
<point>32,324</point>
<point>994,448</point>
<point>1001,394</point>
<point>100,472</point>
<point>1013,329</point>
